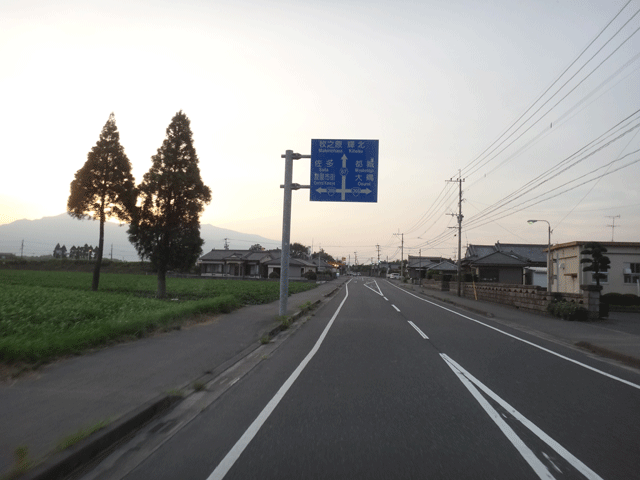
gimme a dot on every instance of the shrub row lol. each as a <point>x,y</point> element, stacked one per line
<point>622,299</point>
<point>567,310</point>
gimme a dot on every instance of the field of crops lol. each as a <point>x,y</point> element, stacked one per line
<point>48,314</point>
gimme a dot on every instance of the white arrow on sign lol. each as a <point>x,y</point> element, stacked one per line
<point>321,190</point>
<point>343,191</point>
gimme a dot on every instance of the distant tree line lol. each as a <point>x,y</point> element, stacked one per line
<point>75,253</point>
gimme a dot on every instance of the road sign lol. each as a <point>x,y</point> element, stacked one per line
<point>344,171</point>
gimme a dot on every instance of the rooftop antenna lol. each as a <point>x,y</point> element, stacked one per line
<point>613,223</point>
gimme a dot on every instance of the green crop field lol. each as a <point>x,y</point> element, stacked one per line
<point>44,315</point>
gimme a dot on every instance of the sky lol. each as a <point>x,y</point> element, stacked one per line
<point>522,100</point>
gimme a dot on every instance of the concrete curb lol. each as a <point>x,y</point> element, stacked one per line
<point>612,354</point>
<point>62,464</point>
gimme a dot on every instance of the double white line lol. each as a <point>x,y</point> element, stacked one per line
<point>470,382</point>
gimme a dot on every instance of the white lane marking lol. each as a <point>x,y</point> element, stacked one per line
<point>227,462</point>
<point>613,377</point>
<point>556,467</point>
<point>559,449</point>
<point>386,298</point>
<point>418,330</point>
<point>395,307</point>
<point>533,461</point>
<point>378,291</point>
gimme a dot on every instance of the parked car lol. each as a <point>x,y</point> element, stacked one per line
<point>393,275</point>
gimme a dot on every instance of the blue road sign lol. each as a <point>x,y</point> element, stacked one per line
<point>344,171</point>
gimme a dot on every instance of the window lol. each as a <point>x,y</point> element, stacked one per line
<point>631,272</point>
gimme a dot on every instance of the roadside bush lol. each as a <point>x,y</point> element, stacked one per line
<point>274,274</point>
<point>567,310</point>
<point>625,300</point>
<point>311,275</point>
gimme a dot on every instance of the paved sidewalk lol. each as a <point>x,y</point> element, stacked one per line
<point>39,409</point>
<point>617,337</point>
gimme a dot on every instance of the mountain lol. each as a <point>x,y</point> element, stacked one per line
<point>41,236</point>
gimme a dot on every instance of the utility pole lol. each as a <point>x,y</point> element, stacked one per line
<point>401,252</point>
<point>378,247</point>
<point>613,223</point>
<point>21,248</point>
<point>459,181</point>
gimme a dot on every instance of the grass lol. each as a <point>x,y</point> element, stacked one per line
<point>199,386</point>
<point>81,434</point>
<point>22,463</point>
<point>307,306</point>
<point>44,315</point>
<point>175,392</point>
<point>285,321</point>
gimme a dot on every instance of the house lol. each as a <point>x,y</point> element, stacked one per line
<point>6,256</point>
<point>324,267</point>
<point>623,275</point>
<point>236,263</point>
<point>504,262</point>
<point>417,267</point>
<point>297,267</point>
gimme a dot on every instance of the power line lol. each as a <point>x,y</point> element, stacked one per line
<point>547,175</point>
<point>557,103</point>
<point>558,90</point>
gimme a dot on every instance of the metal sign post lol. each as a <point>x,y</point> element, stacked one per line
<point>341,171</point>
<point>289,157</point>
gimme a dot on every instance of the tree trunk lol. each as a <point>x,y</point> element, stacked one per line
<point>98,264</point>
<point>162,283</point>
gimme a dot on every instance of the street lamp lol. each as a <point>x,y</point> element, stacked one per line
<point>549,277</point>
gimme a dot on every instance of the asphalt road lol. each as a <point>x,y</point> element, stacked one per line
<point>381,383</point>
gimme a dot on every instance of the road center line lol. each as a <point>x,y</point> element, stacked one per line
<point>559,449</point>
<point>228,461</point>
<point>593,369</point>
<point>397,309</point>
<point>418,330</point>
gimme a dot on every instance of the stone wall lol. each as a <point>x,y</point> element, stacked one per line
<point>526,297</point>
<point>440,285</point>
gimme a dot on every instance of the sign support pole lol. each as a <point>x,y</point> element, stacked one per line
<point>289,157</point>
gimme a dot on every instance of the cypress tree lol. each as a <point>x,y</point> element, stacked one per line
<point>166,224</point>
<point>104,187</point>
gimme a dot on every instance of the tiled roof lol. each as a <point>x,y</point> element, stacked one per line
<point>530,253</point>
<point>501,259</point>
<point>219,255</point>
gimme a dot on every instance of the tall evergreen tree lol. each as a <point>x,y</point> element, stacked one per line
<point>297,250</point>
<point>598,263</point>
<point>166,225</point>
<point>104,187</point>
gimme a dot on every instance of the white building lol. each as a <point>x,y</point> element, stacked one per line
<point>623,275</point>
